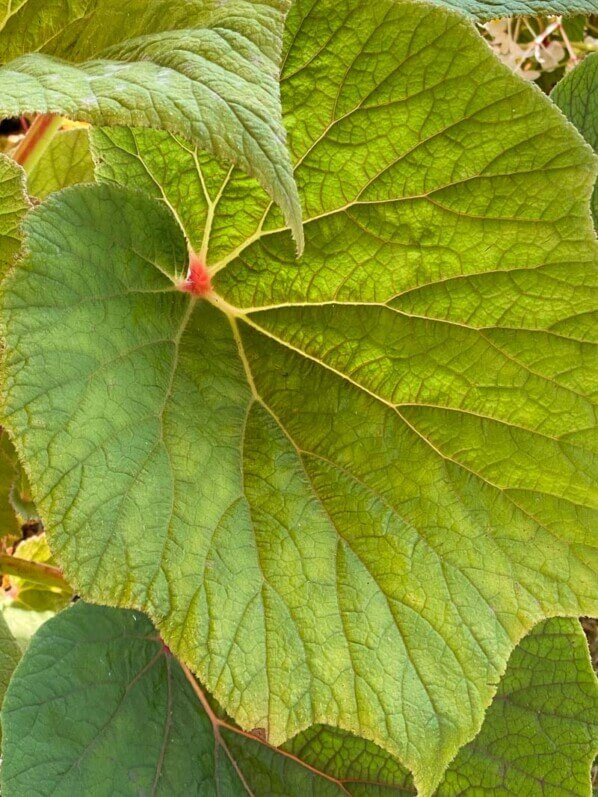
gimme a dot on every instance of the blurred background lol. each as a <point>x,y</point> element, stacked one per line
<point>542,49</point>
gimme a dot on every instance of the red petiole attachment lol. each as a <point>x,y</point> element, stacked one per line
<point>198,280</point>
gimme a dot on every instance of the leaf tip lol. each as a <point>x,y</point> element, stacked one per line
<point>299,238</point>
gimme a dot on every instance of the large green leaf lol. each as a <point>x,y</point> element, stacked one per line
<point>344,488</point>
<point>577,97</point>
<point>93,677</point>
<point>204,69</point>
<point>484,10</point>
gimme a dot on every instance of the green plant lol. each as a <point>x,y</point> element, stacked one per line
<point>343,487</point>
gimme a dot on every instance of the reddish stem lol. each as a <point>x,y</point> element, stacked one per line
<point>32,571</point>
<point>218,724</point>
<point>37,138</point>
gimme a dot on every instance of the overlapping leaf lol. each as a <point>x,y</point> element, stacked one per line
<point>97,677</point>
<point>577,97</point>
<point>93,677</point>
<point>540,734</point>
<point>538,737</point>
<point>484,10</point>
<point>343,488</point>
<point>204,69</point>
<point>84,29</point>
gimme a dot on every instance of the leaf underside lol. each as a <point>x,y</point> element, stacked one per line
<point>202,69</point>
<point>95,676</point>
<point>343,488</point>
<point>484,10</point>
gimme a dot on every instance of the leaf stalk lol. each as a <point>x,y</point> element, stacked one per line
<point>32,571</point>
<point>35,142</point>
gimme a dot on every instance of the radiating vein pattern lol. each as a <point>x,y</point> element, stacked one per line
<point>342,487</point>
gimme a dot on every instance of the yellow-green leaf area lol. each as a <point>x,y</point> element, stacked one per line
<point>31,596</point>
<point>66,161</point>
<point>13,206</point>
<point>9,470</point>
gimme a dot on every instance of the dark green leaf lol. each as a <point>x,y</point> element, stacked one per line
<point>106,710</point>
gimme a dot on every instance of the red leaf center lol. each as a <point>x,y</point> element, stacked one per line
<point>198,280</point>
